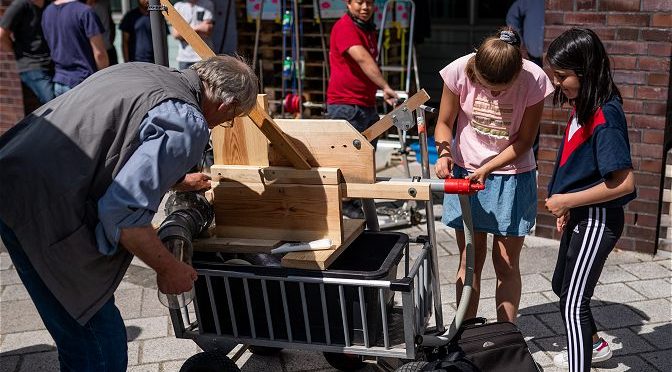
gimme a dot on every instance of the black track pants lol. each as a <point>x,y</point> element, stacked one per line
<point>590,234</point>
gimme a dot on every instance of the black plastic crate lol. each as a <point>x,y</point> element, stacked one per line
<point>372,256</point>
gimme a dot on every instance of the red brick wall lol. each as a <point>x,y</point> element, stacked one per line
<point>11,97</point>
<point>638,36</point>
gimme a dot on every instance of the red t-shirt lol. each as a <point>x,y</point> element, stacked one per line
<point>348,83</point>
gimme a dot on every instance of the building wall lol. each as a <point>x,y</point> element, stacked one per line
<point>638,36</point>
<point>11,96</point>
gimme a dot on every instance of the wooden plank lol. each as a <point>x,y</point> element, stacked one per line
<point>393,190</point>
<point>320,260</point>
<point>269,175</point>
<point>235,245</point>
<point>385,123</point>
<point>290,212</point>
<point>329,143</point>
<point>258,115</point>
<point>243,143</point>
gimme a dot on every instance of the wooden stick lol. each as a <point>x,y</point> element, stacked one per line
<point>385,123</point>
<point>258,115</point>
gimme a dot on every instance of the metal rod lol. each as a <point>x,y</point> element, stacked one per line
<point>306,323</point>
<point>362,309</point>
<point>299,279</point>
<point>286,309</point>
<point>211,294</point>
<point>232,313</point>
<point>157,24</point>
<point>256,37</point>
<point>410,48</point>
<point>269,320</point>
<point>344,317</point>
<point>383,313</point>
<point>429,213</point>
<point>249,308</point>
<point>325,314</point>
<point>371,215</point>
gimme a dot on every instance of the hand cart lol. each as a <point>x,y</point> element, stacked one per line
<point>337,312</point>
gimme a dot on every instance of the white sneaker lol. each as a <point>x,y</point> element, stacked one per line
<point>601,352</point>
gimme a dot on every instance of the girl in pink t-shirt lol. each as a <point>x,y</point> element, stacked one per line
<point>492,100</point>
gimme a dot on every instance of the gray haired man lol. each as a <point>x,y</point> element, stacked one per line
<point>82,177</point>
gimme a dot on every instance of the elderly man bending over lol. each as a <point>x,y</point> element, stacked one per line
<point>82,177</point>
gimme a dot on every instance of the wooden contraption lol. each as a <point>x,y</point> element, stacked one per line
<point>284,180</point>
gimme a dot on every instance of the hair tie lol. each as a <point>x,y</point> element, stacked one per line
<point>509,37</point>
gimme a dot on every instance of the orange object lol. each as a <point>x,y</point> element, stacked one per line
<point>461,186</point>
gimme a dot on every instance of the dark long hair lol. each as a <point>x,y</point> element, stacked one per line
<point>580,50</point>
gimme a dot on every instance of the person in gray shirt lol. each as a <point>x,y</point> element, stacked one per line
<point>527,18</point>
<point>73,223</point>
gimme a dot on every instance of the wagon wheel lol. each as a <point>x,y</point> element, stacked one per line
<point>209,361</point>
<point>345,362</point>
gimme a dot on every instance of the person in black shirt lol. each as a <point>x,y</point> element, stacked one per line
<point>21,32</point>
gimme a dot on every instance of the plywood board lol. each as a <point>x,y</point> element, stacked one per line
<point>320,260</point>
<point>392,190</point>
<point>285,212</point>
<point>385,123</point>
<point>329,143</point>
<point>269,175</point>
<point>243,143</point>
<point>235,245</point>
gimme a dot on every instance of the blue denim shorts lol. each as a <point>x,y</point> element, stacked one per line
<point>507,206</point>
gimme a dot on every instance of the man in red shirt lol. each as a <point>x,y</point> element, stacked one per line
<point>355,75</point>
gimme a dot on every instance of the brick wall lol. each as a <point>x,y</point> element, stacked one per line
<point>638,36</point>
<point>11,96</point>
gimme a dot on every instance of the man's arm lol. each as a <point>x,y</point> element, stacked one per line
<point>370,68</point>
<point>6,44</point>
<point>99,51</point>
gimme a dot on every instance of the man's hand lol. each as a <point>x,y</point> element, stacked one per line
<point>444,167</point>
<point>557,205</point>
<point>176,279</point>
<point>561,222</point>
<point>193,182</point>
<point>390,96</point>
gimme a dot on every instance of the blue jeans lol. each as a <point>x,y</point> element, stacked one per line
<point>60,89</point>
<point>97,346</point>
<point>39,81</point>
<point>359,117</point>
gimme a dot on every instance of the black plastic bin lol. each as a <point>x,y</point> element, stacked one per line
<point>372,256</point>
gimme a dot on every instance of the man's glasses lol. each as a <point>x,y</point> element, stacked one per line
<point>229,123</point>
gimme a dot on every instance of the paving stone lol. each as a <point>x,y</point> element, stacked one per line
<point>616,316</point>
<point>551,345</point>
<point>553,321</point>
<point>149,327</point>
<point>5,261</point>
<point>150,304</point>
<point>128,302</point>
<point>254,363</point>
<point>661,359</point>
<point>535,283</point>
<point>15,292</point>
<point>645,270</point>
<point>133,353</point>
<point>145,368</point>
<point>27,342</point>
<point>533,300</point>
<point>488,288</point>
<point>538,259</point>
<point>8,363</point>
<point>299,360</point>
<point>653,288</point>
<point>662,256</point>
<point>40,362</point>
<point>613,274</point>
<point>653,311</point>
<point>8,277</point>
<point>530,326</point>
<point>657,334</point>
<point>165,349</point>
<point>540,356</point>
<point>618,257</point>
<point>487,309</point>
<point>447,248</point>
<point>171,366</point>
<point>623,341</point>
<point>616,292</point>
<point>622,364</point>
<point>19,316</point>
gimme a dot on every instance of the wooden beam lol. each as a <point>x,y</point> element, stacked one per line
<point>385,123</point>
<point>393,190</point>
<point>275,175</point>
<point>258,115</point>
<point>320,260</point>
<point>235,245</point>
<point>243,143</point>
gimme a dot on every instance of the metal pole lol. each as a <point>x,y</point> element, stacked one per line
<point>159,41</point>
<point>429,212</point>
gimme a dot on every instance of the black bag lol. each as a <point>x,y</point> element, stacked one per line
<point>481,347</point>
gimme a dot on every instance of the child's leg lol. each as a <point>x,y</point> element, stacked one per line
<point>480,249</point>
<point>591,234</point>
<point>505,259</point>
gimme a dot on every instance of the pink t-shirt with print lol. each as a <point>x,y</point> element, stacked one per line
<point>487,124</point>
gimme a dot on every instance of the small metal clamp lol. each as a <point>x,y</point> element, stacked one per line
<point>403,118</point>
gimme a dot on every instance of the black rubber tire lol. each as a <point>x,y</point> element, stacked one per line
<point>264,350</point>
<point>412,367</point>
<point>345,362</point>
<point>209,361</point>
